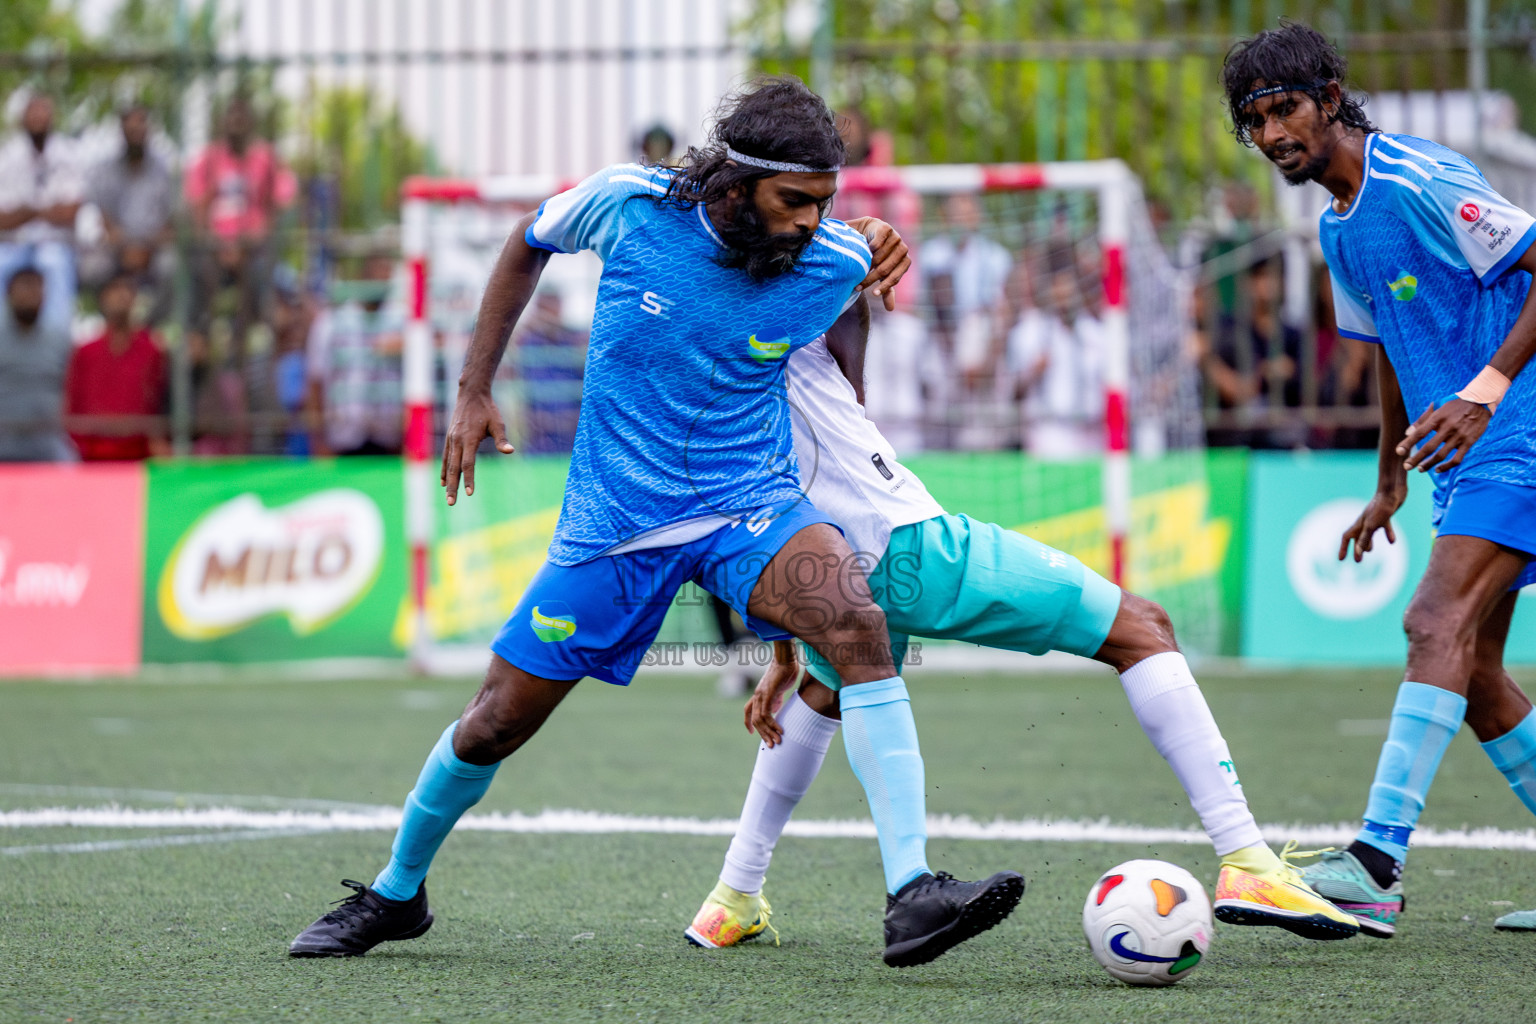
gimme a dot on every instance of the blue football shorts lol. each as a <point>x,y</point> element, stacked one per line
<point>600,617</point>
<point>1500,512</point>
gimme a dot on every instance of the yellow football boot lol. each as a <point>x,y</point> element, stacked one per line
<point>728,917</point>
<point>1256,887</point>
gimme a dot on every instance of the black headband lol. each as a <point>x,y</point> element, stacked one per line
<point>1270,90</point>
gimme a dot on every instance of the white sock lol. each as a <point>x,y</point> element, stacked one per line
<point>780,778</point>
<point>1172,711</point>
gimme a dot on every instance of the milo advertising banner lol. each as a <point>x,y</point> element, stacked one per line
<point>252,561</point>
<point>266,561</point>
<point>1303,604</point>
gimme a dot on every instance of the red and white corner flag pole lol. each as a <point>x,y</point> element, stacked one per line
<point>1114,238</point>
<point>417,388</point>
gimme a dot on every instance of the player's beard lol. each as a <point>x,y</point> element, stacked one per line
<point>749,246</point>
<point>1308,171</point>
<point>1314,165</point>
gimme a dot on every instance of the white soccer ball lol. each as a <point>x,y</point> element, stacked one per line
<point>1148,922</point>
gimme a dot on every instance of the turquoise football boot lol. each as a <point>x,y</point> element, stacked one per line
<point>1340,878</point>
<point>1517,921</point>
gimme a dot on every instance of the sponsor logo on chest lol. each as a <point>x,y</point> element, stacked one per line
<point>1405,287</point>
<point>766,351</point>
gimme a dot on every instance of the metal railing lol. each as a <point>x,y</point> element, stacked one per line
<point>357,96</point>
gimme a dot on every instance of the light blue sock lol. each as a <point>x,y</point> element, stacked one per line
<point>882,747</point>
<point>445,789</point>
<point>1424,720</point>
<point>1514,754</point>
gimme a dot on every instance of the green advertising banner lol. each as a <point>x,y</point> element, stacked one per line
<point>1185,544</point>
<point>1303,604</point>
<point>487,547</point>
<point>1187,521</point>
<point>273,560</point>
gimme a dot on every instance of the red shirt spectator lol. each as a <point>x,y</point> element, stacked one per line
<point>121,373</point>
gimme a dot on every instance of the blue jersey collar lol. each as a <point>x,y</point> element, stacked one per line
<point>1365,181</point>
<point>710,228</point>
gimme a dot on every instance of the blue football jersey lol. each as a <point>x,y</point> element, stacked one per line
<point>1420,263</point>
<point>684,420</point>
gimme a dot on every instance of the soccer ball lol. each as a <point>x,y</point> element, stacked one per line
<point>1148,922</point>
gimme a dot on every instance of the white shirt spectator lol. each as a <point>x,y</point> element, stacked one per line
<point>29,178</point>
<point>1064,405</point>
<point>977,266</point>
<point>896,363</point>
<point>355,355</point>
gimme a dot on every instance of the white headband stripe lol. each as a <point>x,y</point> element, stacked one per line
<point>782,166</point>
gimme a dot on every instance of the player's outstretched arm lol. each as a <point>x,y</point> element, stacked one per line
<point>1391,477</point>
<point>475,415</point>
<point>1460,419</point>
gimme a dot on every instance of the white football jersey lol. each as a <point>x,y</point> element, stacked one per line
<point>847,467</point>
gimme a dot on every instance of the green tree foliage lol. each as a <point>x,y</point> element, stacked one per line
<point>143,27</point>
<point>36,33</point>
<point>154,51</point>
<point>364,147</point>
<point>999,80</point>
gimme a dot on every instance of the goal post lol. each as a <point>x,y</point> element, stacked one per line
<point>1115,188</point>
<point>421,198</point>
<point>1092,210</point>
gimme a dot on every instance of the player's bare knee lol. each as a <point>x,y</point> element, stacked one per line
<point>481,736</point>
<point>1141,629</point>
<point>1155,623</point>
<point>494,724</point>
<point>820,698</point>
<point>860,656</point>
<point>1439,632</point>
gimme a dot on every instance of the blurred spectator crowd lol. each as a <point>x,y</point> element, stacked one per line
<point>138,286</point>
<point>113,262</point>
<point>1276,373</point>
<point>1003,346</point>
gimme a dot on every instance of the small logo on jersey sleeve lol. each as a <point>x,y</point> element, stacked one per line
<point>1405,287</point>
<point>552,621</point>
<point>1482,224</point>
<point>767,351</point>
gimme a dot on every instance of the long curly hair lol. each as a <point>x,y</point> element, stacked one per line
<point>1295,55</point>
<point>777,117</point>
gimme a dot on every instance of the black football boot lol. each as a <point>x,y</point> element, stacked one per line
<point>934,913</point>
<point>362,921</point>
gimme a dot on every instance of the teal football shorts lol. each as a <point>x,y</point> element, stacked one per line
<point>953,578</point>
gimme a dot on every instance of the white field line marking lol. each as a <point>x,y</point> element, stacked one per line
<point>176,797</point>
<point>567,822</point>
<point>195,839</point>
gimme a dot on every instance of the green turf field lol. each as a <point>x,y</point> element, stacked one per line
<point>562,927</point>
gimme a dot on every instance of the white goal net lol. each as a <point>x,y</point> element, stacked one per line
<point>1034,374</point>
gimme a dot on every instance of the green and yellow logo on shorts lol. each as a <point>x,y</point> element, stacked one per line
<point>1405,287</point>
<point>767,351</point>
<point>552,622</point>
